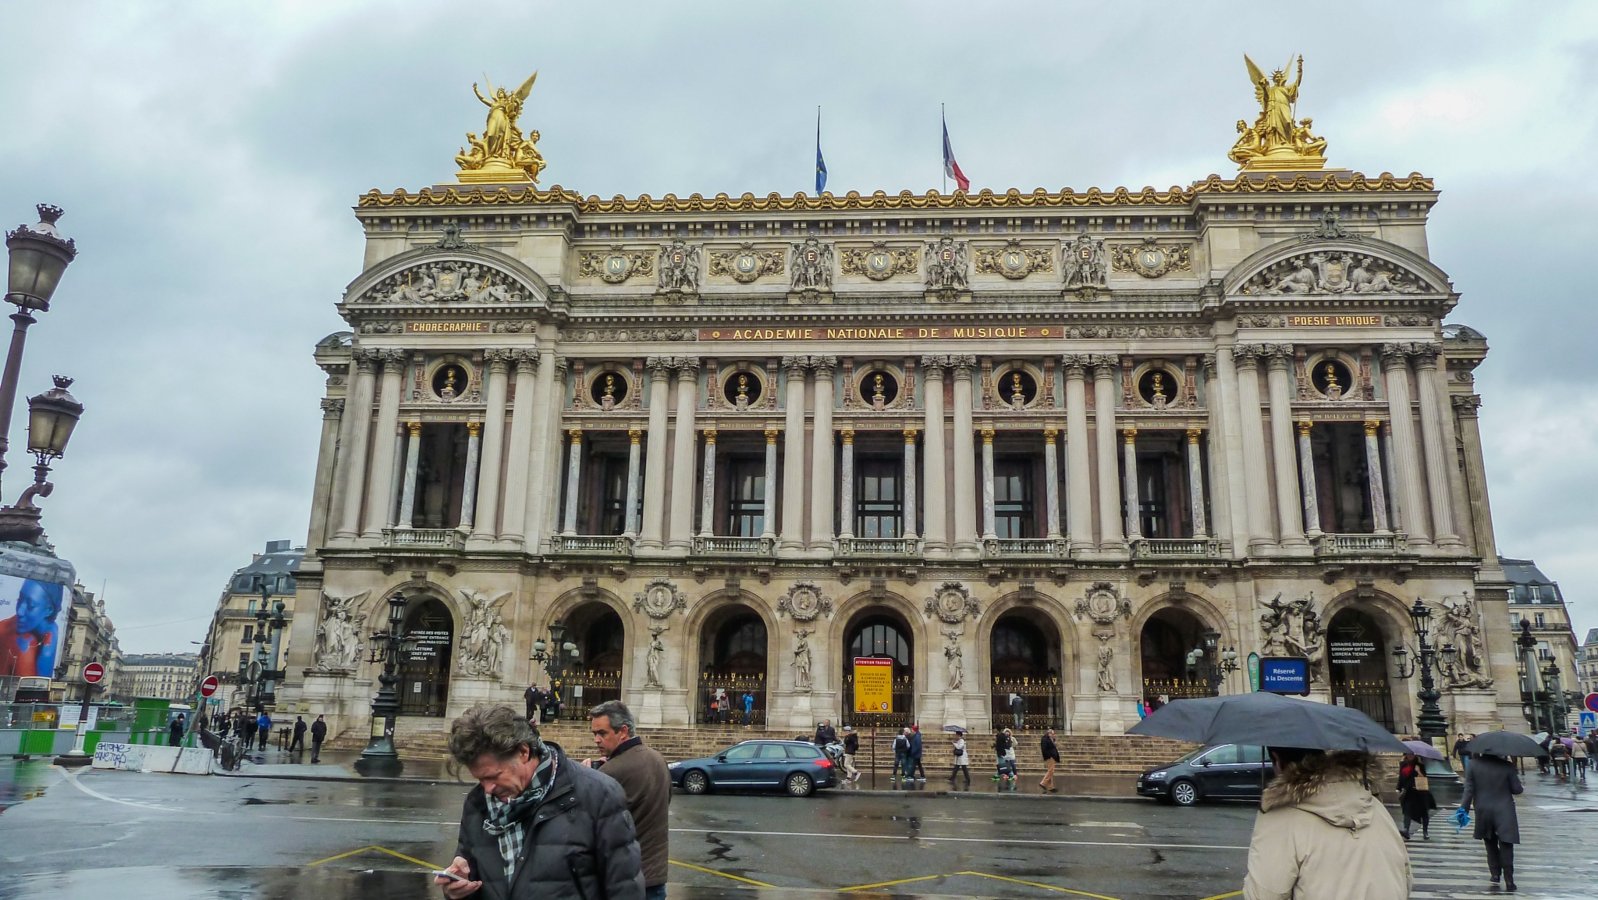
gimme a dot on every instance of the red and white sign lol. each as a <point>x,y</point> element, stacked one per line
<point>209,686</point>
<point>93,673</point>
<point>1592,702</point>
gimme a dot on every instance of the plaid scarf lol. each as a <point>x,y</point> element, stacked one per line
<point>504,819</point>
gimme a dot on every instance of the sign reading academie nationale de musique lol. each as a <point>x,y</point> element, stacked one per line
<point>881,333</point>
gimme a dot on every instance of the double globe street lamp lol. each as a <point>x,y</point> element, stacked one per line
<point>1431,723</point>
<point>380,756</point>
<point>554,655</point>
<point>1211,662</point>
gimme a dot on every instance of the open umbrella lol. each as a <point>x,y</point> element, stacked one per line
<point>1503,743</point>
<point>1269,720</point>
<point>957,729</point>
<point>1424,750</point>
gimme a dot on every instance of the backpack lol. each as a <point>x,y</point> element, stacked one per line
<point>901,744</point>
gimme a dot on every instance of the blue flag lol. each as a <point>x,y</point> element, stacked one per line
<point>821,163</point>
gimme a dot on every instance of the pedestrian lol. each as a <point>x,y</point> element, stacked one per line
<point>585,848</point>
<point>645,781</point>
<point>1017,710</point>
<point>1320,835</point>
<point>825,733</point>
<point>901,754</point>
<point>1578,759</point>
<point>723,707</point>
<point>917,748</point>
<point>174,731</point>
<point>552,703</point>
<point>962,761</point>
<point>534,699</point>
<point>715,706</point>
<point>1415,799</point>
<point>298,744</point>
<point>318,735</point>
<point>222,728</point>
<point>749,708</point>
<point>1051,758</point>
<point>1491,785</point>
<point>851,749</point>
<point>1004,758</point>
<point>246,729</point>
<point>1558,756</point>
<point>263,728</point>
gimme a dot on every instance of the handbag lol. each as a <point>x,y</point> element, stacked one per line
<point>1422,783</point>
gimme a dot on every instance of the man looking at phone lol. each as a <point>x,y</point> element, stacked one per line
<point>537,824</point>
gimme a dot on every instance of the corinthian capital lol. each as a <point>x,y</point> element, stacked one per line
<point>332,408</point>
<point>795,366</point>
<point>498,358</point>
<point>1466,404</point>
<point>1247,354</point>
<point>1105,365</point>
<point>1075,364</point>
<point>1278,355</point>
<point>963,364</point>
<point>824,365</point>
<point>687,367</point>
<point>1394,356</point>
<point>1425,353</point>
<point>934,366</point>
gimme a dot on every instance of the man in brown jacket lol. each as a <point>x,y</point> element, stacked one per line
<point>644,778</point>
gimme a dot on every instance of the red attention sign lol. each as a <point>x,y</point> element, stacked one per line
<point>93,673</point>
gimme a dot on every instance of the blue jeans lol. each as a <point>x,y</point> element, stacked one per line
<point>658,892</point>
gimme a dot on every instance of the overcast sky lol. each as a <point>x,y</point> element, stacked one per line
<point>208,155</point>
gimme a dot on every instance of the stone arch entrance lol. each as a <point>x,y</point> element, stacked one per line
<point>596,674</point>
<point>1356,665</point>
<point>424,668</point>
<point>1024,653</point>
<point>1166,638</point>
<point>734,658</point>
<point>880,631</point>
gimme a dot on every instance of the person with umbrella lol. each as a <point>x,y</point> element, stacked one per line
<point>1414,790</point>
<point>1490,786</point>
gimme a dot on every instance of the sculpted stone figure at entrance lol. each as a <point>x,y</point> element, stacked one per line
<point>338,646</point>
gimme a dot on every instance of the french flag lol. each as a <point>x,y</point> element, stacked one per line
<point>951,168</point>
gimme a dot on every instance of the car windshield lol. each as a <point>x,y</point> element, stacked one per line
<point>1192,755</point>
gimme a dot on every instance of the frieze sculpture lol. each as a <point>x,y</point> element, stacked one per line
<point>446,282</point>
<point>1151,259</point>
<point>338,647</point>
<point>952,653</point>
<point>1084,263</point>
<point>801,659</point>
<point>746,264</point>
<point>659,599</point>
<point>1103,605</point>
<point>952,602</point>
<point>657,654</point>
<point>1014,260</point>
<point>812,266</point>
<point>679,267</point>
<point>483,636</point>
<point>1458,627</point>
<point>879,262</point>
<point>1277,141</point>
<point>1293,629</point>
<point>804,601</point>
<point>1106,663</point>
<point>947,266</point>
<point>502,154</point>
<point>616,265</point>
<point>1334,272</point>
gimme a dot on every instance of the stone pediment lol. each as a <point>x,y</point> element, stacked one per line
<point>467,276</point>
<point>1346,267</point>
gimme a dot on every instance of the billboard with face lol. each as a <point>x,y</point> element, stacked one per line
<point>34,603</point>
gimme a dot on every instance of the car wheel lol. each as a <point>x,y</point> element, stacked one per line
<point>799,784</point>
<point>1184,793</point>
<point>695,782</point>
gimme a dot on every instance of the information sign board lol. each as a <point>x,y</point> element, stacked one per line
<point>1284,675</point>
<point>873,685</point>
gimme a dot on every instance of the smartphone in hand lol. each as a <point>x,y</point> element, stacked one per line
<point>448,875</point>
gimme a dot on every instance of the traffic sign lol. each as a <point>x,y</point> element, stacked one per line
<point>93,673</point>
<point>209,685</point>
<point>1592,702</point>
<point>1285,675</point>
<point>1589,723</point>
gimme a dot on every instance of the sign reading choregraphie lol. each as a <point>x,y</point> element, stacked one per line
<point>873,685</point>
<point>34,602</point>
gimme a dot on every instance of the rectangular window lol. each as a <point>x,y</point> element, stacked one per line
<point>613,493</point>
<point>1541,622</point>
<point>244,660</point>
<point>746,496</point>
<point>879,500</point>
<point>1013,513</point>
<point>249,633</point>
<point>1536,593</point>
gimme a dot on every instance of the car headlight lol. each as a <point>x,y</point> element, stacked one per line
<point>1157,776</point>
<point>673,765</point>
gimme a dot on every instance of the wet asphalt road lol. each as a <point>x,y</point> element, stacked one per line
<point>98,833</point>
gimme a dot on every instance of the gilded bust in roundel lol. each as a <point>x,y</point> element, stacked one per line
<point>952,603</point>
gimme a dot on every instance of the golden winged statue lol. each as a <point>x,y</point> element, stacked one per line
<point>1277,141</point>
<point>501,155</point>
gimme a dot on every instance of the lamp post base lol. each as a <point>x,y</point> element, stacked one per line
<point>379,766</point>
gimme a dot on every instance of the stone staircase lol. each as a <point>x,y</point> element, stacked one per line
<point>1080,754</point>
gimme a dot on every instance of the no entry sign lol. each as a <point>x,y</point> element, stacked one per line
<point>93,673</point>
<point>209,686</point>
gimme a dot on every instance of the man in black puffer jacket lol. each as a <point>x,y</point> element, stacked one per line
<point>538,824</point>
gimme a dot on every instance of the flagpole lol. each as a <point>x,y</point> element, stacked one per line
<point>944,121</point>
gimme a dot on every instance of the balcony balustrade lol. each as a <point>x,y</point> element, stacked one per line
<point>424,538</point>
<point>857,547</point>
<point>1360,544</point>
<point>1177,548</point>
<point>591,544</point>
<point>719,545</point>
<point>1025,548</point>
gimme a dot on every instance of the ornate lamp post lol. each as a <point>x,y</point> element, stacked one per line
<point>270,674</point>
<point>553,656</point>
<point>1431,722</point>
<point>1527,642</point>
<point>380,756</point>
<point>1556,698</point>
<point>1212,662</point>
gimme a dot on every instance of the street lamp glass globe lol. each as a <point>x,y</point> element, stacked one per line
<point>51,417</point>
<point>396,610</point>
<point>39,256</point>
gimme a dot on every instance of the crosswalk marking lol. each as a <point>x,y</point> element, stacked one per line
<point>1556,847</point>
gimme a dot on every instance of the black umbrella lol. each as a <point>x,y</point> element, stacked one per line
<point>1503,743</point>
<point>1268,720</point>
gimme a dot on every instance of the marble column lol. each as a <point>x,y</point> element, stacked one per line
<point>1411,503</point>
<point>358,413</point>
<point>380,487</point>
<point>684,443</point>
<point>651,530</point>
<point>486,525</point>
<point>1078,472</point>
<point>1465,408</point>
<point>1373,477</point>
<point>965,495</point>
<point>1289,504</point>
<point>1252,425</point>
<point>935,469</point>
<point>1111,535</point>
<point>909,482</point>
<point>326,466</point>
<point>1433,432</point>
<point>793,457</point>
<point>549,397</point>
<point>1195,482</point>
<point>518,462</point>
<point>394,482</point>
<point>1306,474</point>
<point>413,457</point>
<point>1051,481</point>
<point>989,527</point>
<point>474,449</point>
<point>707,487</point>
<point>1227,439</point>
<point>768,506</point>
<point>1134,504</point>
<point>822,484</point>
<point>574,483</point>
<point>1390,473</point>
<point>1215,460</point>
<point>846,485</point>
<point>634,452</point>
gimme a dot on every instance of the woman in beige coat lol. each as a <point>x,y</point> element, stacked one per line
<point>1321,835</point>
